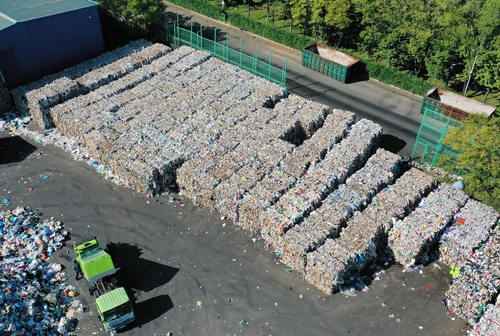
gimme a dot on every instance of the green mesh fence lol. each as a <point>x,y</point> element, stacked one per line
<point>251,63</point>
<point>429,143</point>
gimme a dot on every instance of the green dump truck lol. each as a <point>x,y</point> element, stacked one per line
<point>112,302</point>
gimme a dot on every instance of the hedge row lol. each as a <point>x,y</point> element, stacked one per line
<point>200,6</point>
<point>403,80</point>
<point>290,39</point>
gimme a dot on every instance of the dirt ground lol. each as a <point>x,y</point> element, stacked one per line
<point>194,273</point>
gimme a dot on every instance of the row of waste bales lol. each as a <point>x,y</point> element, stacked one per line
<point>310,191</point>
<point>412,238</point>
<point>477,285</point>
<point>330,265</point>
<point>245,152</point>
<point>34,298</point>
<point>38,97</point>
<point>273,185</point>
<point>327,220</point>
<point>145,130</point>
<point>471,228</point>
<point>21,94</point>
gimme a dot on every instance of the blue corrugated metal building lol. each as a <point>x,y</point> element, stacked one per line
<point>40,37</point>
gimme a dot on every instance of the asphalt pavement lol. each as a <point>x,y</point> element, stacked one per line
<point>193,273</point>
<point>397,111</point>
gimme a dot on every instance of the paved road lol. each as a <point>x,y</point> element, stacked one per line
<point>395,110</point>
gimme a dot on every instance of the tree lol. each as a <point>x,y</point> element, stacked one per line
<point>488,67</point>
<point>478,143</point>
<point>140,13</point>
<point>301,13</point>
<point>331,17</point>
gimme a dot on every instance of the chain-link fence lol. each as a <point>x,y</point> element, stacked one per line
<point>429,143</point>
<point>183,36</point>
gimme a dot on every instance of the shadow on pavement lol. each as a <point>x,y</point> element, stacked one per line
<point>14,149</point>
<point>148,311</point>
<point>305,90</point>
<point>141,274</point>
<point>361,73</point>
<point>391,143</point>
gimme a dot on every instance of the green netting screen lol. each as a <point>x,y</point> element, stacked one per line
<point>429,143</point>
<point>182,36</point>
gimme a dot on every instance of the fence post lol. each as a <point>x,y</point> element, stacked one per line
<point>241,52</point>
<point>283,73</point>
<point>191,35</point>
<point>227,47</point>
<point>215,40</point>
<point>255,58</point>
<point>270,63</point>
<point>199,38</point>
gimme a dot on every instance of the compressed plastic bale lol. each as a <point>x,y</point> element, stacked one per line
<point>470,292</point>
<point>488,324</point>
<point>273,224</point>
<point>302,239</point>
<point>470,229</point>
<point>378,172</point>
<point>362,237</point>
<point>325,266</point>
<point>250,210</point>
<point>412,239</point>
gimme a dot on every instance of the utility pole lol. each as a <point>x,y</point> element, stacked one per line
<point>470,74</point>
<point>472,69</point>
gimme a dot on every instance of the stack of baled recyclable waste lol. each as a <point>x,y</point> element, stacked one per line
<point>412,239</point>
<point>363,237</point>
<point>265,193</point>
<point>348,155</point>
<point>380,170</point>
<point>314,149</point>
<point>41,100</point>
<point>24,101</point>
<point>67,88</point>
<point>474,288</point>
<point>228,194</point>
<point>489,324</point>
<point>478,283</point>
<point>102,76</point>
<point>307,195</point>
<point>325,266</point>
<point>398,200</point>
<point>470,229</point>
<point>492,250</point>
<point>34,298</point>
<point>302,121</point>
<point>195,178</point>
<point>327,220</point>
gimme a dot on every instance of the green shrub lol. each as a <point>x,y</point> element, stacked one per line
<point>200,6</point>
<point>279,35</point>
<point>388,75</point>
